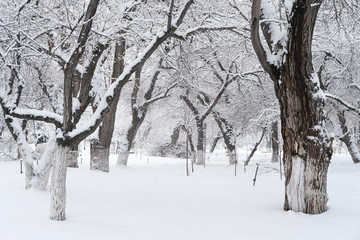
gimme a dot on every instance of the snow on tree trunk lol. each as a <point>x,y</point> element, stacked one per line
<point>307,147</point>
<point>41,179</point>
<point>123,158</point>
<point>123,155</point>
<point>99,156</point>
<point>353,148</point>
<point>347,137</point>
<point>58,184</point>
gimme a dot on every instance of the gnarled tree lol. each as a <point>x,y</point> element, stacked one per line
<point>288,60</point>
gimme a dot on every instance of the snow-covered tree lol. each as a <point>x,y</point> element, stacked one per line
<point>68,133</point>
<point>287,57</point>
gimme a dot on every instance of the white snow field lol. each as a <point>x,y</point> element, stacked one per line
<point>153,198</point>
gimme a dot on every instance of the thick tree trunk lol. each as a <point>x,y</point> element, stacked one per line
<point>99,155</point>
<point>58,184</point>
<point>347,138</point>
<point>307,148</point>
<point>275,142</point>
<point>100,148</point>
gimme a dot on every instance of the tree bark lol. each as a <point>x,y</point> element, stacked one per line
<point>307,148</point>
<point>347,138</point>
<point>100,147</point>
<point>275,142</point>
<point>58,184</point>
<point>73,156</point>
<point>138,116</point>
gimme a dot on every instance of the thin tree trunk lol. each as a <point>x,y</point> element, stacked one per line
<point>200,144</point>
<point>255,148</point>
<point>275,142</point>
<point>191,143</point>
<point>100,147</point>
<point>213,145</point>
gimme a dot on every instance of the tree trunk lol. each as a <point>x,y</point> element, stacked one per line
<point>347,138</point>
<point>255,148</point>
<point>73,157</point>
<point>200,144</point>
<point>213,145</point>
<point>100,148</point>
<point>130,137</point>
<point>191,143</point>
<point>175,136</point>
<point>124,152</point>
<point>228,134</point>
<point>58,183</point>
<point>99,155</point>
<point>275,142</point>
<point>307,148</point>
<point>138,116</point>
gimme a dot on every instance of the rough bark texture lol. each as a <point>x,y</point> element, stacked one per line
<point>347,138</point>
<point>58,184</point>
<point>307,149</point>
<point>275,142</point>
<point>100,148</point>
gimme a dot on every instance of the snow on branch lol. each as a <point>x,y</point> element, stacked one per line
<point>39,115</point>
<point>344,103</point>
<point>260,51</point>
<point>83,131</point>
<point>201,29</point>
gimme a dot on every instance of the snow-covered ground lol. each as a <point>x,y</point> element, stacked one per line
<point>153,198</point>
